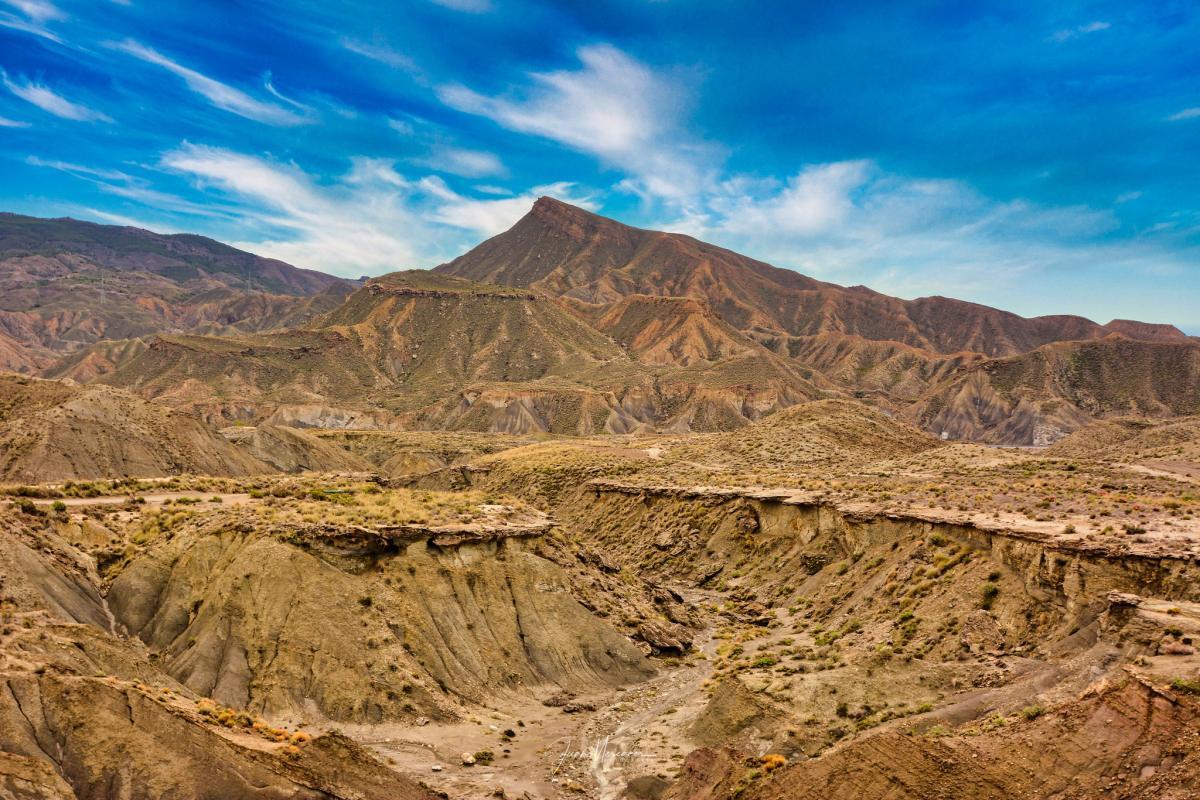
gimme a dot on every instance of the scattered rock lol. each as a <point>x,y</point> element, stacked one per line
<point>576,706</point>
<point>665,637</point>
<point>1170,647</point>
<point>666,540</point>
<point>747,521</point>
<point>597,559</point>
<point>1123,599</point>
<point>646,787</point>
<point>981,633</point>
<point>708,573</point>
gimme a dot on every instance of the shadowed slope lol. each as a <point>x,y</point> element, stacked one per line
<point>418,349</point>
<point>566,251</point>
<point>50,431</point>
<point>1037,398</point>
<point>66,284</point>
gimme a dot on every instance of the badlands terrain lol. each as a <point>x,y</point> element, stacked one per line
<point>589,511</point>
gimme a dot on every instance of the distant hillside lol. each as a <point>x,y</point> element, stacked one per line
<point>567,323</point>
<point>180,257</point>
<point>825,431</point>
<point>419,349</point>
<point>670,330</point>
<point>1039,397</point>
<point>1134,439</point>
<point>565,251</point>
<point>66,284</point>
<point>888,370</point>
<point>52,431</point>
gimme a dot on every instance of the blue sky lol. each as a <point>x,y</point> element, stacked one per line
<point>1040,157</point>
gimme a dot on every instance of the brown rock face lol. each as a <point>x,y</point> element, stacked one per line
<point>565,251</point>
<point>1040,397</point>
<point>52,431</point>
<point>84,714</point>
<point>68,284</point>
<point>280,623</point>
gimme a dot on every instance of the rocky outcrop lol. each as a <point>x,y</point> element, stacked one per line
<point>1040,397</point>
<point>1131,738</point>
<point>292,450</point>
<point>85,714</point>
<point>51,431</point>
<point>365,625</point>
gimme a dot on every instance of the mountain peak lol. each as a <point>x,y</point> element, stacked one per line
<point>557,213</point>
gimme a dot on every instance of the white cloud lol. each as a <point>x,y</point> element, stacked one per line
<point>613,107</point>
<point>372,220</point>
<point>470,6</point>
<point>110,218</point>
<point>122,184</point>
<point>13,22</point>
<point>1187,113</point>
<point>78,169</point>
<point>1066,34</point>
<point>37,10</point>
<point>853,222</point>
<point>816,200</point>
<point>378,51</point>
<point>467,163</point>
<point>51,102</point>
<point>5,122</point>
<point>219,94</point>
<point>490,217</point>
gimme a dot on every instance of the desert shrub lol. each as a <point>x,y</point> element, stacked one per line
<point>1186,686</point>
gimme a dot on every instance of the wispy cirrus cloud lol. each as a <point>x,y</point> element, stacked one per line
<point>373,219</point>
<point>5,122</point>
<point>1066,34</point>
<point>470,6</point>
<point>50,101</point>
<point>464,162</point>
<point>613,107</point>
<point>31,18</point>
<point>1187,113</point>
<point>133,188</point>
<point>37,10</point>
<point>219,94</point>
<point>378,51</point>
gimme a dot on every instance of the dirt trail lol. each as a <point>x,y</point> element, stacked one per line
<point>632,732</point>
<point>627,751</point>
<point>206,499</point>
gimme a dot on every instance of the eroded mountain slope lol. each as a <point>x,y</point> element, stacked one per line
<point>85,714</point>
<point>369,616</point>
<point>54,431</point>
<point>1039,397</point>
<point>68,284</point>
<point>422,350</point>
<point>566,251</point>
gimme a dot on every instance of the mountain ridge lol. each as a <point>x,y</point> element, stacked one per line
<point>567,251</point>
<point>67,285</point>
